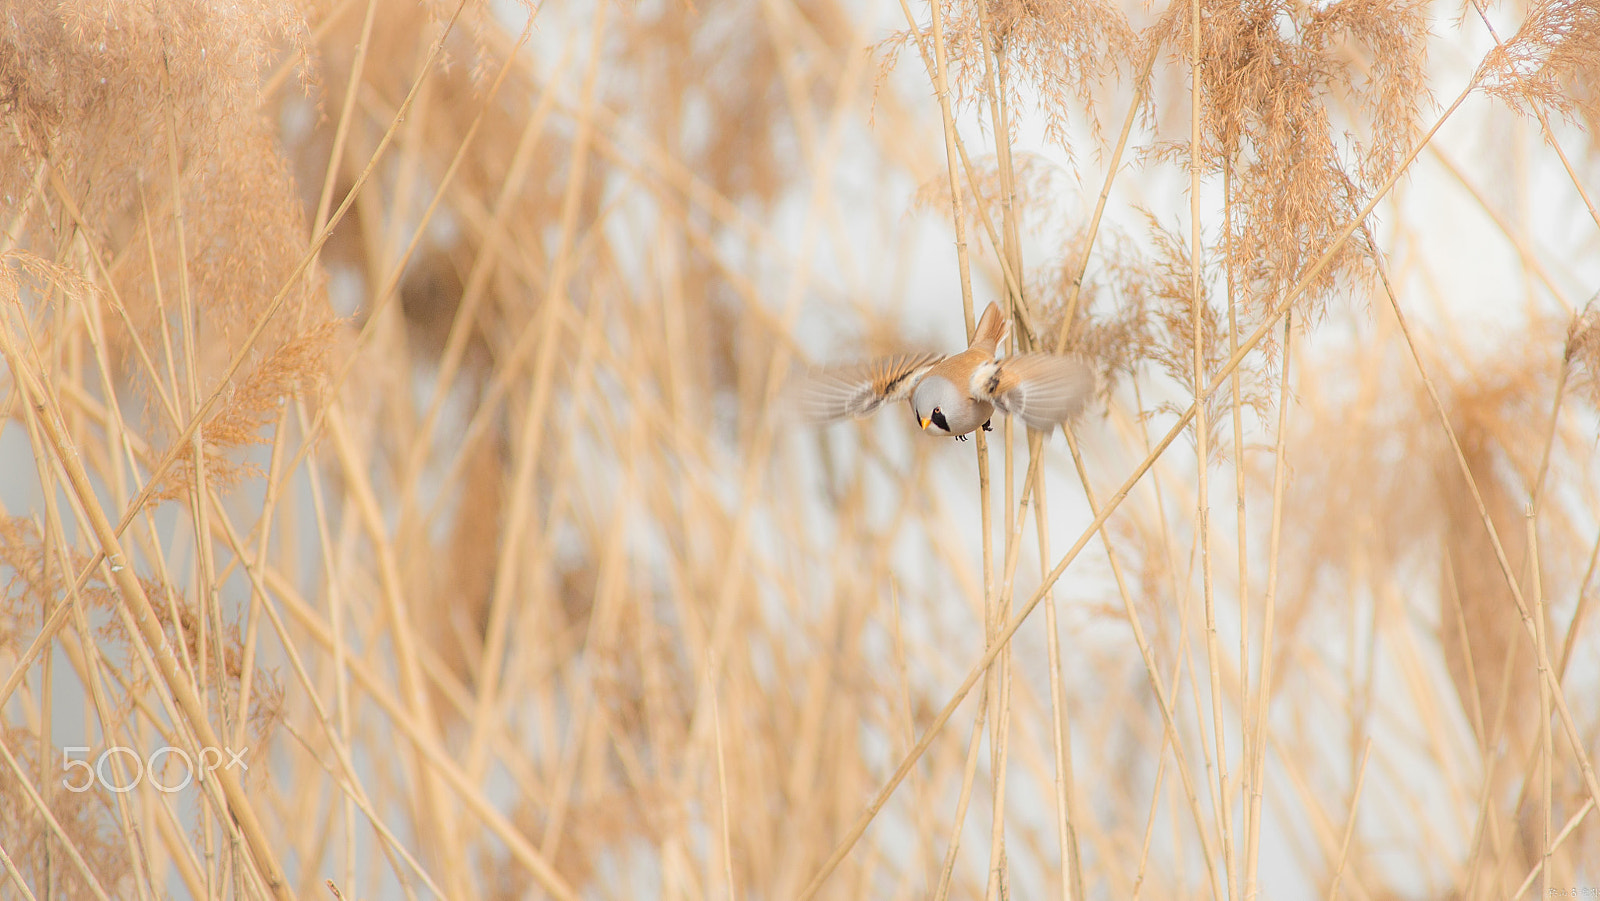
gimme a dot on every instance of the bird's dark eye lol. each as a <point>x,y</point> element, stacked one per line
<point>936,411</point>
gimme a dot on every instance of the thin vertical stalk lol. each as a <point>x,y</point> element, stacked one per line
<point>1574,625</point>
<point>1350,823</point>
<point>1242,539</point>
<point>1060,716</point>
<point>341,131</point>
<point>722,793</point>
<point>1140,89</point>
<point>968,773</point>
<point>941,83</point>
<point>336,616</point>
<point>1546,738</point>
<point>1257,743</point>
<point>1011,251</point>
<point>1203,451</point>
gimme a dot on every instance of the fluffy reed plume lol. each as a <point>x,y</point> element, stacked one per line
<point>393,394</point>
<point>1307,110</point>
<point>1055,56</point>
<point>1551,63</point>
<point>1583,350</point>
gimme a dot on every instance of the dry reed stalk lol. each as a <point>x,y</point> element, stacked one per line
<point>995,692</point>
<point>1222,800</point>
<point>1545,762</point>
<point>1011,251</point>
<point>1350,823</point>
<point>1255,756</point>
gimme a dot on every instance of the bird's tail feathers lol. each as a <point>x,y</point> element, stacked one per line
<point>991,328</point>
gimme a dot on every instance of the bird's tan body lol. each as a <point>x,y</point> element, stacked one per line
<point>968,413</point>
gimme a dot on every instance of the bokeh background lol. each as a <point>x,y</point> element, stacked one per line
<point>394,394</point>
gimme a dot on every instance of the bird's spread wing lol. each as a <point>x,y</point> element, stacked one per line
<point>1042,389</point>
<point>859,390</point>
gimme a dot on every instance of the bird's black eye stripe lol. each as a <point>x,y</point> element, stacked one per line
<point>938,419</point>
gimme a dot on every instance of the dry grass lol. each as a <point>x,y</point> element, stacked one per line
<point>403,392</point>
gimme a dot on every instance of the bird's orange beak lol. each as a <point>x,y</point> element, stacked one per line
<point>923,422</point>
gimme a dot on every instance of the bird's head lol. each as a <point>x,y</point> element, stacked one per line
<point>933,396</point>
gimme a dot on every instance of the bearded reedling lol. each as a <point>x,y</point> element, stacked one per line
<point>957,394</point>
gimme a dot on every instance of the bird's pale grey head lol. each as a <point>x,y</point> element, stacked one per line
<point>940,405</point>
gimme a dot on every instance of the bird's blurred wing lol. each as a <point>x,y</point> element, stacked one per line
<point>859,390</point>
<point>1043,390</point>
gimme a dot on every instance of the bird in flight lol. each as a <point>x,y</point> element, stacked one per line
<point>957,394</point>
